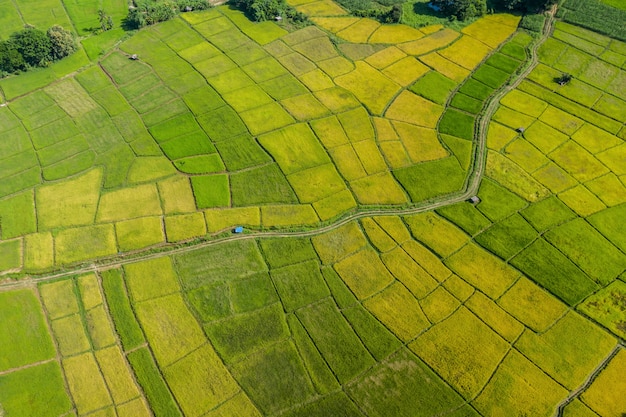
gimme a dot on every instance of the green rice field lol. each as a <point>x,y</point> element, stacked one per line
<point>362,282</point>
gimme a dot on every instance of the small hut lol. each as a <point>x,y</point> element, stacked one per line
<point>474,199</point>
<point>238,229</point>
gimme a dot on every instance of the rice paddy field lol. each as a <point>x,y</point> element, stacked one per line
<point>362,284</point>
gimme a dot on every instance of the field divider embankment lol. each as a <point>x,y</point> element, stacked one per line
<point>587,382</point>
<point>472,184</point>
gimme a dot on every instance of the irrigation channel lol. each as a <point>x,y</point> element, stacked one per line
<point>472,184</point>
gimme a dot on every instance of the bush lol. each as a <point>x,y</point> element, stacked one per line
<point>533,22</point>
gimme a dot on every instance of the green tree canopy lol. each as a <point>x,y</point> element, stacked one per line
<point>34,45</point>
<point>462,9</point>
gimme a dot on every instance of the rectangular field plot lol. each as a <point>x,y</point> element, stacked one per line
<point>120,309</point>
<point>171,329</point>
<point>149,377</point>
<point>86,383</point>
<point>417,390</point>
<point>35,391</point>
<point>22,329</point>
<point>549,267</point>
<point>227,261</point>
<point>341,349</point>
<point>299,285</point>
<point>587,248</point>
<point>563,354</point>
<point>274,378</point>
<point>200,381</point>
<point>462,333</point>
<point>519,385</point>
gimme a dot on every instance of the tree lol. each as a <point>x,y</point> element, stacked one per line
<point>461,9</point>
<point>34,45</point>
<point>530,6</point>
<point>10,58</point>
<point>62,42</point>
<point>106,21</point>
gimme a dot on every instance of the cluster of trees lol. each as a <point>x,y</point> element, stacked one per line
<point>466,9</point>
<point>260,10</point>
<point>32,47</point>
<point>149,12</point>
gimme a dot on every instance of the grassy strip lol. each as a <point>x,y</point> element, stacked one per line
<point>119,306</point>
<point>595,15</point>
<point>160,398</point>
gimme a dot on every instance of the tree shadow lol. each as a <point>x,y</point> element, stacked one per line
<point>425,10</point>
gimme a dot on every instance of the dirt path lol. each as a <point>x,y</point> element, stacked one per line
<point>592,376</point>
<point>473,183</point>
